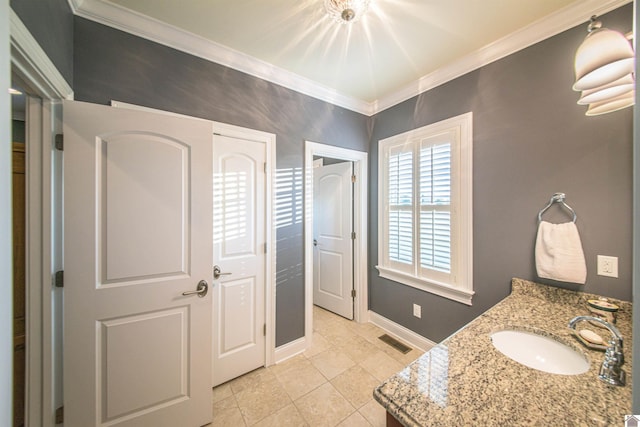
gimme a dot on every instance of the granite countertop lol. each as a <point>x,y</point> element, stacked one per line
<point>466,381</point>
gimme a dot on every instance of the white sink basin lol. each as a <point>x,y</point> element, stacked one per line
<point>540,352</point>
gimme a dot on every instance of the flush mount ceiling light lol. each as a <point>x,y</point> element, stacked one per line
<point>604,66</point>
<point>346,11</point>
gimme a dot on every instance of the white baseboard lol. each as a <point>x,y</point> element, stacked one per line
<point>290,349</point>
<point>296,347</point>
<point>400,332</point>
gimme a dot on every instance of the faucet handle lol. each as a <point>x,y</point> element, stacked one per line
<point>611,370</point>
<point>614,351</point>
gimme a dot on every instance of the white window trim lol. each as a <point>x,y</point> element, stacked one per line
<point>463,290</point>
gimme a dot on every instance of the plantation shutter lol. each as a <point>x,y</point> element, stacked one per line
<point>425,229</point>
<point>435,207</point>
<point>428,219</point>
<point>400,202</point>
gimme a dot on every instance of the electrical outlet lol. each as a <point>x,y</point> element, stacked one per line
<point>417,311</point>
<point>607,266</point>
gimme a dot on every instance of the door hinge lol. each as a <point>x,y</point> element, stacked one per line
<point>353,293</point>
<point>58,279</point>
<point>265,167</point>
<point>353,178</point>
<point>265,247</point>
<point>264,330</point>
<point>353,235</point>
<point>60,415</point>
<point>58,142</point>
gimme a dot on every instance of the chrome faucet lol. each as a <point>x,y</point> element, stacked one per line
<point>611,370</point>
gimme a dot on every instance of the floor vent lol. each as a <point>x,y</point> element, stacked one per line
<point>395,344</point>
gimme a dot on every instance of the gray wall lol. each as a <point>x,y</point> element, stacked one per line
<point>50,22</point>
<point>113,65</point>
<point>530,141</point>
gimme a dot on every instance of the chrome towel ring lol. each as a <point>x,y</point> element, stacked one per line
<point>557,198</point>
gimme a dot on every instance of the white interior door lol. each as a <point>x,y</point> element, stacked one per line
<point>137,234</point>
<point>333,244</point>
<point>239,246</point>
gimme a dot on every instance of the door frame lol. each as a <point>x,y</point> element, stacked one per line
<point>37,73</point>
<point>269,139</point>
<point>360,257</point>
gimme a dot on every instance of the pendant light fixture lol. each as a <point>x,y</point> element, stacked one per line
<point>611,90</point>
<point>346,11</point>
<point>604,66</point>
<point>612,104</point>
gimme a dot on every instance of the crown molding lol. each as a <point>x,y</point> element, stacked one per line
<point>32,64</point>
<point>143,26</point>
<point>132,22</point>
<point>568,17</point>
<point>75,4</point>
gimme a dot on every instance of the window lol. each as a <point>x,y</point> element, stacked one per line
<point>425,235</point>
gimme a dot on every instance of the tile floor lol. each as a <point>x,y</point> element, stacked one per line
<point>331,384</point>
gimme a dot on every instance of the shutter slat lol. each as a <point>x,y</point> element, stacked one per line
<point>435,240</point>
<point>435,174</point>
<point>400,236</point>
<point>401,178</point>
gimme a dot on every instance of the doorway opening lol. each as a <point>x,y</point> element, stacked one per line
<point>36,303</point>
<point>18,139</point>
<point>358,160</point>
<point>33,71</point>
<point>333,235</point>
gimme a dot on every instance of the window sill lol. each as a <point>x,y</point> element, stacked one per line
<point>441,289</point>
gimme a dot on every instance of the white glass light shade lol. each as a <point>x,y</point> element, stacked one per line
<point>612,90</point>
<point>617,103</point>
<point>346,11</point>
<point>603,57</point>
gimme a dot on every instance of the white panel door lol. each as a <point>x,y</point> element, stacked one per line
<point>137,234</point>
<point>239,250</point>
<point>333,245</point>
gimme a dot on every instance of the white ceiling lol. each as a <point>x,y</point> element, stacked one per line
<point>398,49</point>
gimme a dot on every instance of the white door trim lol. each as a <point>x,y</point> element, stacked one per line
<point>270,274</point>
<point>360,255</point>
<point>34,69</point>
<point>33,65</point>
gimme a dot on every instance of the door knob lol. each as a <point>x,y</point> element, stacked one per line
<point>201,290</point>
<point>217,272</point>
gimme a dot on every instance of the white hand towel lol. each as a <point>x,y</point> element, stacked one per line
<point>559,253</point>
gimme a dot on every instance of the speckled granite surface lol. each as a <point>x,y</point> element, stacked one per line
<point>465,381</point>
